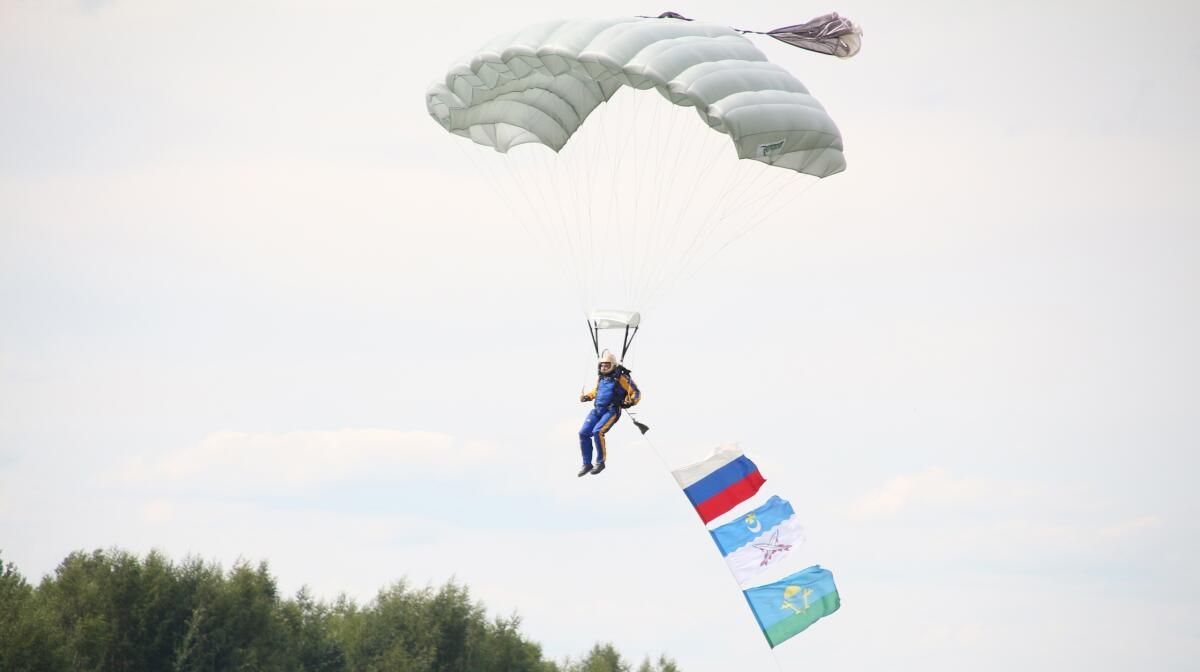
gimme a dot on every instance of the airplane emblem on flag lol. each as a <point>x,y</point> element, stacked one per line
<point>771,548</point>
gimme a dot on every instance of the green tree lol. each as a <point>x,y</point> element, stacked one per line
<point>315,647</point>
<point>663,664</point>
<point>29,639</point>
<point>111,611</point>
<point>603,658</point>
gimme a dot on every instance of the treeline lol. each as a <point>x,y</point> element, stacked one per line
<point>113,611</point>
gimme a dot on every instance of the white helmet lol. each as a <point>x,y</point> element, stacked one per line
<point>609,357</point>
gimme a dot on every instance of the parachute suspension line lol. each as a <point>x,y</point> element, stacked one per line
<point>617,199</point>
<point>528,173</point>
<point>643,125</point>
<point>666,115</point>
<point>588,191</point>
<point>649,173</point>
<point>610,145</point>
<point>666,235</point>
<point>706,156</point>
<point>748,199</point>
<point>637,179</point>
<point>506,193</point>
<point>772,192</point>
<point>649,131</point>
<point>598,149</point>
<point>575,223</point>
<point>771,214</point>
<point>697,267</point>
<point>515,175</point>
<point>729,187</point>
<point>559,223</point>
<point>557,217</point>
<point>676,148</point>
<point>729,204</point>
<point>589,176</point>
<point>661,128</point>
<point>734,201</point>
<point>559,244</point>
<point>579,166</point>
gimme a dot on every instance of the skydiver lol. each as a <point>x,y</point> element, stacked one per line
<point>614,390</point>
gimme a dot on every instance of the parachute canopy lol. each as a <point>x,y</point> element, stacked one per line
<point>539,84</point>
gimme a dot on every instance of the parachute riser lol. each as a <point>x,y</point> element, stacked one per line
<point>628,341</point>
<point>594,332</point>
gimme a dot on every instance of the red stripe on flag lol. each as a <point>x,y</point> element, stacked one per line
<point>730,497</point>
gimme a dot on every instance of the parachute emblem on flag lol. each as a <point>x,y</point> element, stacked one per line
<point>789,593</point>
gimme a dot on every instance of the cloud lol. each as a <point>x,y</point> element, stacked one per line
<point>293,461</point>
<point>1131,526</point>
<point>935,516</point>
<point>933,487</point>
<point>157,511</point>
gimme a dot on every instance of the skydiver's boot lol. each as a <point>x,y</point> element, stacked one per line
<point>587,469</point>
<point>598,468</point>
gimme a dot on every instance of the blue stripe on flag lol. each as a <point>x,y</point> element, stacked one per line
<point>709,486</point>
<point>732,536</point>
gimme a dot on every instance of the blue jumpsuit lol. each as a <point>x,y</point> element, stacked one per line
<point>613,391</point>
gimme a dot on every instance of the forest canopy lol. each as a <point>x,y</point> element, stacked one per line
<point>111,610</point>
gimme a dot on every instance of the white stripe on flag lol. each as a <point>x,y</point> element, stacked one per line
<point>693,473</point>
<point>766,549</point>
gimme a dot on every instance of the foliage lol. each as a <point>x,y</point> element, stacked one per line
<point>110,610</point>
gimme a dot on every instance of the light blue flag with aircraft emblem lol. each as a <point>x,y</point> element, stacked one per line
<point>734,535</point>
<point>759,539</point>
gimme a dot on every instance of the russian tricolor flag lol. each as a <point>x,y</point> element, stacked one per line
<point>720,482</point>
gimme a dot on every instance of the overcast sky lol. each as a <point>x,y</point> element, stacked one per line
<point>252,305</point>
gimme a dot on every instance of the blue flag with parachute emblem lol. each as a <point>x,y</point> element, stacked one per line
<point>788,606</point>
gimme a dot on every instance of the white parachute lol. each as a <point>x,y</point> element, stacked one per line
<point>540,83</point>
<point>633,194</point>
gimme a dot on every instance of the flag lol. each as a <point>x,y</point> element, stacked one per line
<point>719,483</point>
<point>758,538</point>
<point>732,536</point>
<point>787,607</point>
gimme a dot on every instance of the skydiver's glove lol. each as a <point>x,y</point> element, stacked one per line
<point>583,398</point>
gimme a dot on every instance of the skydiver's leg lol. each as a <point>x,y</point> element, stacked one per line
<point>585,435</point>
<point>604,423</point>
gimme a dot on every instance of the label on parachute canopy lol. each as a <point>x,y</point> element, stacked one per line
<point>770,148</point>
